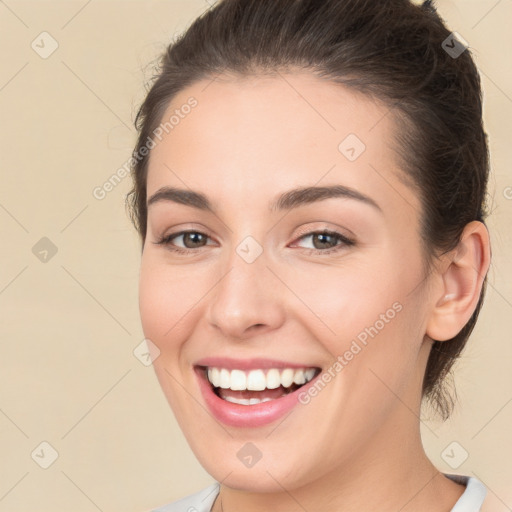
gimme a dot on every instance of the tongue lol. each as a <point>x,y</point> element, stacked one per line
<point>266,393</point>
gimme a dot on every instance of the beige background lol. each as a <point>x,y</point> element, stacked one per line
<point>69,325</point>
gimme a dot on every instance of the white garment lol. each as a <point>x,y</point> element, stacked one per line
<point>202,501</point>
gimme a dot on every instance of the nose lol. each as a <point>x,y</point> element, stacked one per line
<point>247,300</point>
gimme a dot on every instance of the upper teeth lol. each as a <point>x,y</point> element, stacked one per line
<point>257,380</point>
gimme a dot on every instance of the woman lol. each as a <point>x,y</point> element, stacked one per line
<point>309,190</point>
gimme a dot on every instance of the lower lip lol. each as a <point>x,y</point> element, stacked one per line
<point>257,415</point>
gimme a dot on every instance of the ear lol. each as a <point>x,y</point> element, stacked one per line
<point>460,283</point>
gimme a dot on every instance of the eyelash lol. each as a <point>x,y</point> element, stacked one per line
<point>345,242</point>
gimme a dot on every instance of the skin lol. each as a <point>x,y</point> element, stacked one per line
<point>247,141</point>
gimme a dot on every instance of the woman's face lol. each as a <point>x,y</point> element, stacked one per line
<point>262,294</point>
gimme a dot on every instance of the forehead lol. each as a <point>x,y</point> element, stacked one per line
<point>255,134</point>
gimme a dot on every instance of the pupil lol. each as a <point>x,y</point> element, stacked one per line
<point>323,236</point>
<point>192,235</point>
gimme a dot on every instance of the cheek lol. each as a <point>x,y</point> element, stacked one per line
<point>166,301</point>
<point>166,304</point>
<point>153,301</point>
<point>342,301</point>
<point>364,311</point>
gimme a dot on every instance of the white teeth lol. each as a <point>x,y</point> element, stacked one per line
<point>287,377</point>
<point>224,378</point>
<point>273,378</point>
<point>258,380</point>
<point>298,377</point>
<point>309,374</point>
<point>213,376</point>
<point>238,380</point>
<point>246,401</point>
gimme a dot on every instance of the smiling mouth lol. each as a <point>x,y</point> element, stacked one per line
<point>259,385</point>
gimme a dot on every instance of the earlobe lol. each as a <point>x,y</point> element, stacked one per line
<point>461,283</point>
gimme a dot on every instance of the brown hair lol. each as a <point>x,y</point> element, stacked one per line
<point>393,51</point>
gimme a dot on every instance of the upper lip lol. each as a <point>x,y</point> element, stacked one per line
<point>249,364</point>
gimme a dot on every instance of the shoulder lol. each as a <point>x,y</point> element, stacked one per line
<point>200,501</point>
<point>474,495</point>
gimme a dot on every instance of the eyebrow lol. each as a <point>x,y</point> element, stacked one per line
<point>287,201</point>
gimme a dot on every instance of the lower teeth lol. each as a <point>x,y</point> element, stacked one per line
<point>241,400</point>
<point>246,401</point>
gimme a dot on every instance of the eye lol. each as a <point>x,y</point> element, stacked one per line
<point>325,242</point>
<point>191,239</point>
